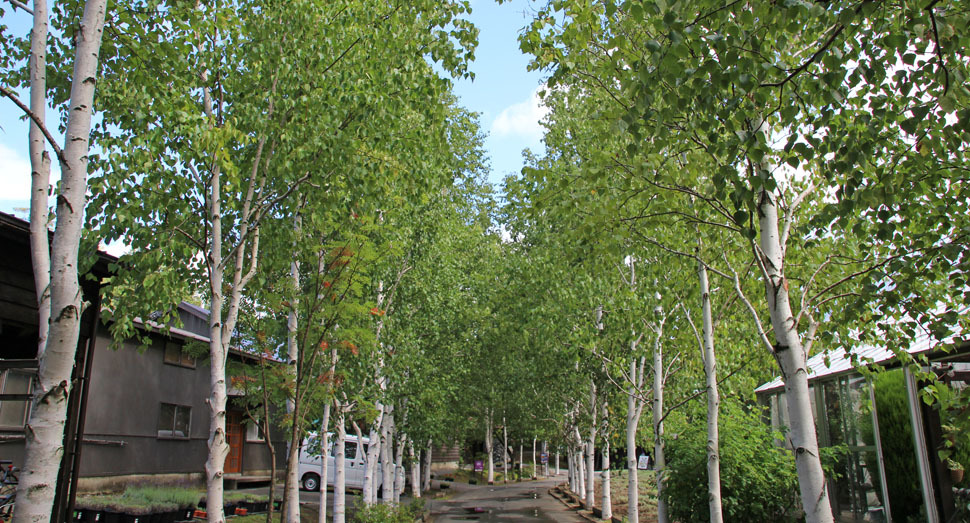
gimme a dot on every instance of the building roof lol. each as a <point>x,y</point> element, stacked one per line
<point>844,360</point>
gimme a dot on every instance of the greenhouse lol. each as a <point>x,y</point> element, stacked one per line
<point>879,440</point>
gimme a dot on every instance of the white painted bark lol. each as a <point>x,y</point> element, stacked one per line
<point>713,400</point>
<point>591,450</point>
<point>791,357</point>
<point>490,448</point>
<point>427,468</point>
<point>521,459</point>
<point>415,471</point>
<point>557,462</point>
<point>340,471</point>
<point>658,428</point>
<point>45,432</point>
<point>324,463</point>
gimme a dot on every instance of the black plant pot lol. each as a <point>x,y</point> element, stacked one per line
<point>260,506</point>
<point>186,514</point>
<point>112,517</point>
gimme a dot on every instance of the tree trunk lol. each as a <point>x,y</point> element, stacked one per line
<point>387,455</point>
<point>534,458</point>
<point>399,468</point>
<point>269,441</point>
<point>40,174</point>
<point>490,449</point>
<point>324,462</point>
<point>633,409</point>
<point>44,435</point>
<point>521,459</point>
<point>658,428</point>
<point>607,499</point>
<point>505,451</point>
<point>340,471</point>
<point>291,496</point>
<point>415,471</point>
<point>557,461</point>
<point>369,495</point>
<point>591,450</point>
<point>791,357</point>
<point>427,468</point>
<point>713,400</point>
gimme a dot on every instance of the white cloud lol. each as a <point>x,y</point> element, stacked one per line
<point>522,119</point>
<point>15,174</point>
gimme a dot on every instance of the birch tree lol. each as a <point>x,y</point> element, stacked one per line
<point>55,261</point>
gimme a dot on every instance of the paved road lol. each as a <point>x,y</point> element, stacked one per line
<point>518,502</point>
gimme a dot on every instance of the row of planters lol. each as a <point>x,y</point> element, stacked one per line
<point>160,505</point>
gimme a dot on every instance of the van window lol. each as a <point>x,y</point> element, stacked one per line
<point>350,449</point>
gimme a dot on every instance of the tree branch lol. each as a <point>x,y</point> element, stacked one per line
<point>39,123</point>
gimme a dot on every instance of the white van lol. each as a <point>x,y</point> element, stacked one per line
<point>354,464</point>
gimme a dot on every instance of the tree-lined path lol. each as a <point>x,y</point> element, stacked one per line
<point>725,189</point>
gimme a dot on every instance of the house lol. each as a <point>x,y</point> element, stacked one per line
<point>891,470</point>
<point>137,413</point>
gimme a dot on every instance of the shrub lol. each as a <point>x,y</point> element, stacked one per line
<point>758,479</point>
<point>380,513</point>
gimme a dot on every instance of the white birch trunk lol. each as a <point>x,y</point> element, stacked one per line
<point>399,469</point>
<point>490,449</point>
<point>427,468</point>
<point>607,499</point>
<point>557,462</point>
<point>521,458</point>
<point>634,407</point>
<point>658,428</point>
<point>505,451</point>
<point>324,463</point>
<point>40,174</point>
<point>291,495</point>
<point>534,458</point>
<point>791,357</point>
<point>570,472</point>
<point>415,471</point>
<point>713,401</point>
<point>591,450</point>
<point>387,456</point>
<point>340,471</point>
<point>369,495</point>
<point>45,433</point>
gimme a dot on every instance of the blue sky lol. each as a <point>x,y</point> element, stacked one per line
<point>503,93</point>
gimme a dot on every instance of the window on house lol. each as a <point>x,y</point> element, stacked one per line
<point>175,354</point>
<point>173,421</point>
<point>13,413</point>
<point>254,432</point>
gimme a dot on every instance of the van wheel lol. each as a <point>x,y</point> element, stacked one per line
<point>311,482</point>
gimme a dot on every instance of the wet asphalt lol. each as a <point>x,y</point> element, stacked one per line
<point>528,501</point>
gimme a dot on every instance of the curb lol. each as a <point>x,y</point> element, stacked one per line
<point>572,501</point>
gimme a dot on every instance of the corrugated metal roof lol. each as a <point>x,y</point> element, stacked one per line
<point>841,360</point>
